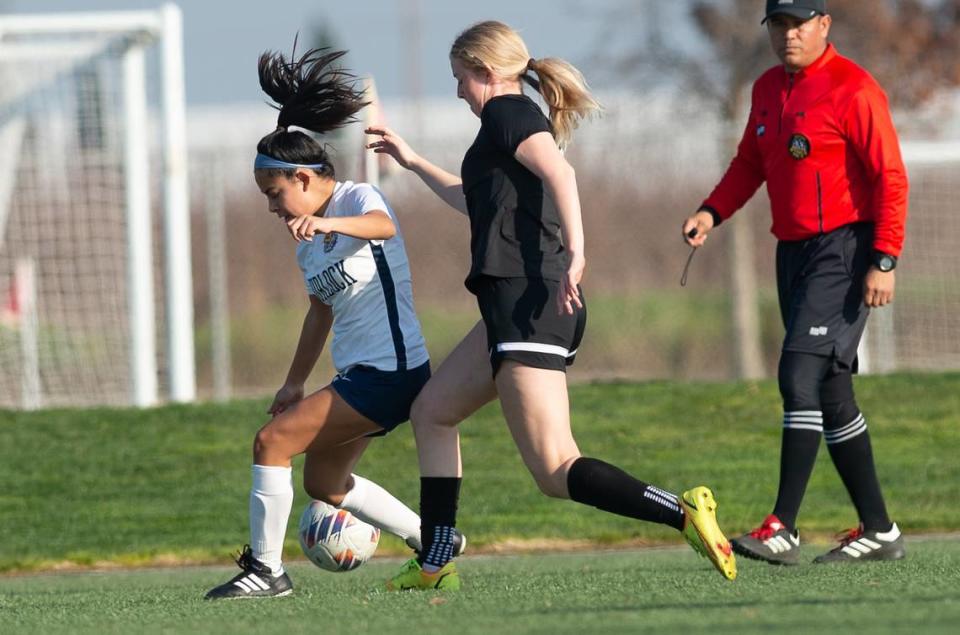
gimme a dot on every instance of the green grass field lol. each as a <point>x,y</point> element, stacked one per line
<point>171,484</point>
<point>121,488</point>
<point>652,591</point>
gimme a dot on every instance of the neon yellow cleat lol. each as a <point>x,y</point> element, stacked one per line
<point>412,576</point>
<point>701,530</point>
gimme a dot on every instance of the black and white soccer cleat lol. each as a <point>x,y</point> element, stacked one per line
<point>255,581</point>
<point>771,542</point>
<point>858,545</point>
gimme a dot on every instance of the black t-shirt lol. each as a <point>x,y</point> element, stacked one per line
<point>514,226</point>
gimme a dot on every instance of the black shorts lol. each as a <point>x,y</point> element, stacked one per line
<point>520,315</point>
<point>820,284</point>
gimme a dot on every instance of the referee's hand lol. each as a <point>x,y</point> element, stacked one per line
<point>696,228</point>
<point>878,287</point>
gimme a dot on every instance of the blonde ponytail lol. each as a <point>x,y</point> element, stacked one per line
<point>566,94</point>
<point>495,47</point>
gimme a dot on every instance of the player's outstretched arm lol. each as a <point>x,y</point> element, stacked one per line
<point>444,184</point>
<point>313,335</point>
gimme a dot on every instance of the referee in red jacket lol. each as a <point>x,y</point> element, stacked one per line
<point>821,137</point>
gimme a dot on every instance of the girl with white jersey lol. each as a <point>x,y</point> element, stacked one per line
<point>356,273</point>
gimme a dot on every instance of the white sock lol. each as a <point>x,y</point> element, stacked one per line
<point>271,499</point>
<point>372,504</point>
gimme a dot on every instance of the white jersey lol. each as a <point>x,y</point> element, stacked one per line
<point>367,284</point>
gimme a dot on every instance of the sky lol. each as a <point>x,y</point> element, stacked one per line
<point>223,38</point>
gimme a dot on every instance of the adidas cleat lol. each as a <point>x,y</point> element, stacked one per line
<point>858,545</point>
<point>771,542</point>
<point>412,576</point>
<point>255,581</point>
<point>701,530</point>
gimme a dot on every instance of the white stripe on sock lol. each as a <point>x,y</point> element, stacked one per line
<point>834,439</point>
<point>664,493</point>
<point>853,425</point>
<point>659,499</point>
<point>803,426</point>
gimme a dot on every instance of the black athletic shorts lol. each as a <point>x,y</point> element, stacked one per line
<point>820,284</point>
<point>520,315</point>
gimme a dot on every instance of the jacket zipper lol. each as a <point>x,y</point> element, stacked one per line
<point>819,202</point>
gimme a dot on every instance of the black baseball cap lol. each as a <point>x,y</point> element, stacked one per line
<point>803,9</point>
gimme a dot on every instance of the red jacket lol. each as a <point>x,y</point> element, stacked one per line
<point>823,141</point>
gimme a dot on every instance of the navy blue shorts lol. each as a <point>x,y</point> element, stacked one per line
<point>382,396</point>
<point>820,284</point>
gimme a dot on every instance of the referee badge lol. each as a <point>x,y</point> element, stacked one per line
<point>799,147</point>
<point>329,242</point>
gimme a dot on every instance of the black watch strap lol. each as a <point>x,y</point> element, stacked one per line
<point>883,261</point>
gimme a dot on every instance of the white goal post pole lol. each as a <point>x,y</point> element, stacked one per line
<point>93,22</point>
<point>11,139</point>
<point>179,273</point>
<point>25,281</point>
<point>143,358</point>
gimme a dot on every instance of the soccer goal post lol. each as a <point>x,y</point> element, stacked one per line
<point>92,130</point>
<point>919,330</point>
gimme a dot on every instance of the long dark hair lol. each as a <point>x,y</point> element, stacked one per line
<point>310,93</point>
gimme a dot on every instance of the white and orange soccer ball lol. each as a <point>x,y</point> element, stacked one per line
<point>334,539</point>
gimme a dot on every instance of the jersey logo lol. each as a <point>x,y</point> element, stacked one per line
<point>330,282</point>
<point>329,242</point>
<point>799,147</point>
<point>761,130</point>
<point>818,331</point>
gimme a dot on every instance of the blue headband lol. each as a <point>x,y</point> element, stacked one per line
<point>264,162</point>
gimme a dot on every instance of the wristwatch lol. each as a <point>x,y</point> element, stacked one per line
<point>884,262</point>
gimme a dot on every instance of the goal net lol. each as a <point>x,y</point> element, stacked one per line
<point>919,330</point>
<point>88,135</point>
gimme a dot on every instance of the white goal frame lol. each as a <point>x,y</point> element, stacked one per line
<point>161,27</point>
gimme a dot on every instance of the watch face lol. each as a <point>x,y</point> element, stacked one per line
<point>886,263</point>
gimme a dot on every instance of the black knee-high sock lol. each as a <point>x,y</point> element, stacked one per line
<point>606,487</point>
<point>848,441</point>
<point>852,455</point>
<point>438,517</point>
<point>798,454</point>
<point>800,377</point>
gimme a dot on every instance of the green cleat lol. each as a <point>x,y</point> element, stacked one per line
<point>412,576</point>
<point>703,533</point>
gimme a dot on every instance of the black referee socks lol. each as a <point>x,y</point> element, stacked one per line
<point>607,487</point>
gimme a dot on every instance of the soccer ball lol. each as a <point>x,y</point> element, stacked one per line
<point>334,539</point>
